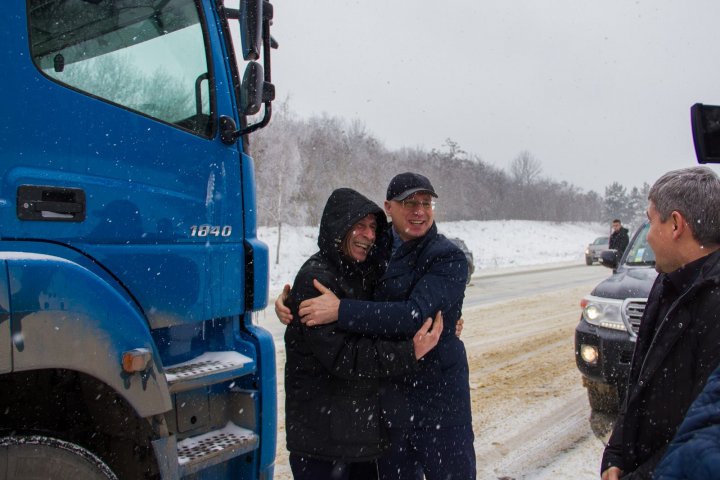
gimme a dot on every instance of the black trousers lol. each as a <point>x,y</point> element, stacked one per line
<point>309,468</point>
<point>433,454</point>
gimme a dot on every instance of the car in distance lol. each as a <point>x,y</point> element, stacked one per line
<point>592,251</point>
<point>606,334</point>
<point>468,255</point>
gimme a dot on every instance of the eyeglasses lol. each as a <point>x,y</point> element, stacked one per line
<point>414,205</point>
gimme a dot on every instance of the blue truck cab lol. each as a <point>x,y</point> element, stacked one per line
<point>129,263</point>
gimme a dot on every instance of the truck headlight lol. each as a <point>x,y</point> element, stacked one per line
<point>603,312</point>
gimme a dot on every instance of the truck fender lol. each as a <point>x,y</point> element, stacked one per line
<point>65,316</point>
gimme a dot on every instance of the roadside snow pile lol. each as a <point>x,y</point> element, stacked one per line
<point>495,244</point>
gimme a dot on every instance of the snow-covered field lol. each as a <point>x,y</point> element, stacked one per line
<point>495,244</point>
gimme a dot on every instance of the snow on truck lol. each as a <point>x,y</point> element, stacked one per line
<point>129,263</point>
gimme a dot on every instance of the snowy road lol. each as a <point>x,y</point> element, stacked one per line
<point>530,411</point>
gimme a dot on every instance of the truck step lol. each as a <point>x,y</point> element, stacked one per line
<point>207,369</point>
<point>197,453</point>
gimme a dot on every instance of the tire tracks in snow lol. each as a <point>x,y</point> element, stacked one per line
<point>525,451</point>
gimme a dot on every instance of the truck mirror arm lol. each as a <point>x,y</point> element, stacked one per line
<point>229,133</point>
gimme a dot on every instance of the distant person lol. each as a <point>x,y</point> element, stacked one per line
<point>678,344</point>
<point>331,377</point>
<point>427,412</point>
<point>619,238</point>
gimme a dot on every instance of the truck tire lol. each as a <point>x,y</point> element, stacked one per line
<point>588,260</point>
<point>37,456</point>
<point>603,397</point>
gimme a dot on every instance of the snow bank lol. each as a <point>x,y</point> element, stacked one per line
<point>495,244</point>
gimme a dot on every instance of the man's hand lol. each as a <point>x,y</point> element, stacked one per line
<point>612,473</point>
<point>458,326</point>
<point>426,339</point>
<point>320,310</point>
<point>283,313</point>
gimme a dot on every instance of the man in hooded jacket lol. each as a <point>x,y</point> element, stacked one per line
<point>331,377</point>
<point>677,344</point>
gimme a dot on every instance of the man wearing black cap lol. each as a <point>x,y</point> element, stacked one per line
<point>428,413</point>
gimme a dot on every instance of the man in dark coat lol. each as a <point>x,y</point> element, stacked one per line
<point>677,345</point>
<point>428,411</point>
<point>619,238</point>
<point>331,387</point>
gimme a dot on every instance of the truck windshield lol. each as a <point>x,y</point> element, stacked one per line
<point>145,55</point>
<point>639,252</point>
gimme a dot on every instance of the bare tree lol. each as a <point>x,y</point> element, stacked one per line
<point>300,161</point>
<point>525,168</point>
<point>278,166</point>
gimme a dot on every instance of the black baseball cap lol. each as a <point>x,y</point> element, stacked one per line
<point>405,184</point>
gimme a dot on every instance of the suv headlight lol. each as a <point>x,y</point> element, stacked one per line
<point>603,312</point>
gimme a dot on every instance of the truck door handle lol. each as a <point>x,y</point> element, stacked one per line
<point>50,204</point>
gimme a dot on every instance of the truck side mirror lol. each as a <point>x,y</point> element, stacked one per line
<point>251,89</point>
<point>705,121</point>
<point>251,18</point>
<point>609,258</point>
<point>256,89</point>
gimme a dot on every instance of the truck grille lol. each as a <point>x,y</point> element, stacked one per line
<point>634,309</point>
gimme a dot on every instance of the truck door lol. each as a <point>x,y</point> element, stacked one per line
<point>117,117</point>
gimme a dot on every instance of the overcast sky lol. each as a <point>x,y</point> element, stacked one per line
<point>597,91</point>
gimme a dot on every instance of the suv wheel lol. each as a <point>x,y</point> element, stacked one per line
<point>588,260</point>
<point>603,397</point>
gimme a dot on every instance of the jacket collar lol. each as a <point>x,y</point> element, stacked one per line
<point>415,244</point>
<point>668,332</point>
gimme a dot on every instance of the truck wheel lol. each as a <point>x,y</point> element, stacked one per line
<point>36,456</point>
<point>603,397</point>
<point>588,261</point>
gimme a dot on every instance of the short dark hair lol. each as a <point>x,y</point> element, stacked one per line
<point>617,220</point>
<point>694,192</point>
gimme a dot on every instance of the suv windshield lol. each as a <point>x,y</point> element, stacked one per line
<point>639,252</point>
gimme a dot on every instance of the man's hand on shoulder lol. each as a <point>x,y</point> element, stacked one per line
<point>320,310</point>
<point>428,336</point>
<point>281,310</point>
<point>612,473</point>
<point>459,327</point>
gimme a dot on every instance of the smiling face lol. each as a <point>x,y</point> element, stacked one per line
<point>412,217</point>
<point>360,238</point>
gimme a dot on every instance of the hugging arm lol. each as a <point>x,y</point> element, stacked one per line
<point>441,288</point>
<point>350,355</point>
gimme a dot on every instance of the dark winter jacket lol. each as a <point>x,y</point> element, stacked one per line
<point>662,385</point>
<point>694,453</point>
<point>331,377</point>
<point>424,275</point>
<point>619,240</point>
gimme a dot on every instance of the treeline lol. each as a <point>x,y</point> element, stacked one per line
<point>298,162</point>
